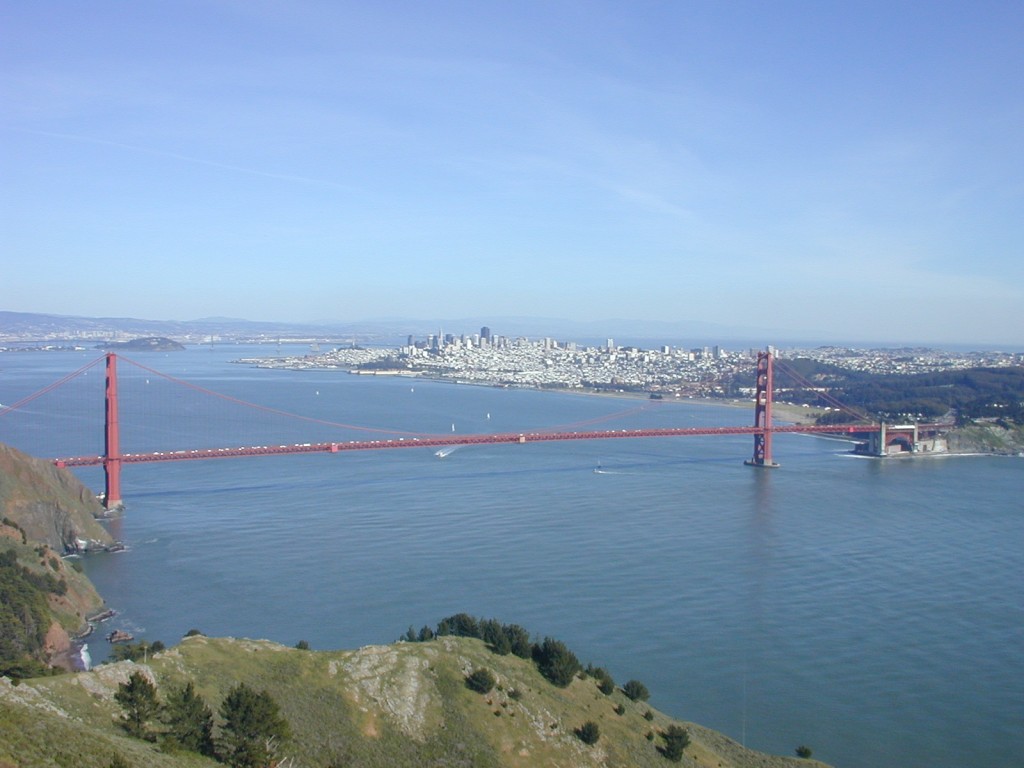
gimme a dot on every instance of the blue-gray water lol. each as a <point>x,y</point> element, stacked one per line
<point>872,610</point>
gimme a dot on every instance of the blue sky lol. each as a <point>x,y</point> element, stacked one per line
<point>825,170</point>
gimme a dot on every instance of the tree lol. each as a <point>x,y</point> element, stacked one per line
<point>460,625</point>
<point>253,727</point>
<point>189,720</point>
<point>636,691</point>
<point>138,699</point>
<point>492,633</point>
<point>556,662</point>
<point>676,740</point>
<point>589,732</point>
<point>518,640</point>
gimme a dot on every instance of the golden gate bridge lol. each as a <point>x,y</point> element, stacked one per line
<point>113,458</point>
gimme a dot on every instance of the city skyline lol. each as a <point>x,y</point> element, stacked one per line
<point>846,172</point>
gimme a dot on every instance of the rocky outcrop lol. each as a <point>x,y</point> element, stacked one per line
<point>49,504</point>
<point>987,436</point>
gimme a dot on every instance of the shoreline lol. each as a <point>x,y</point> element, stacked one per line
<point>784,412</point>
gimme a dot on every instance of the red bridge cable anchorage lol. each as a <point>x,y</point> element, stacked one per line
<point>29,398</point>
<point>268,409</point>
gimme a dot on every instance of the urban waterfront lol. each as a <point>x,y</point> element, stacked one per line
<point>872,610</point>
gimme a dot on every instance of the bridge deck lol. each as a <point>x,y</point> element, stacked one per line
<point>440,441</point>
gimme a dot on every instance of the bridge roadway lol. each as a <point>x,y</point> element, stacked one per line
<point>438,441</point>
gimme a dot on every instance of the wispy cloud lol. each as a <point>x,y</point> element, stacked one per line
<point>293,178</point>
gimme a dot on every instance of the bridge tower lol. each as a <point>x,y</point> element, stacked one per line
<point>763,413</point>
<point>112,439</point>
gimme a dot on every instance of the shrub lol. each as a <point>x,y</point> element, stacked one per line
<point>480,680</point>
<point>135,651</point>
<point>193,633</point>
<point>556,662</point>
<point>620,709</point>
<point>589,732</point>
<point>676,740</point>
<point>636,691</point>
<point>605,683</point>
<point>804,751</point>
<point>648,715</point>
<point>302,645</point>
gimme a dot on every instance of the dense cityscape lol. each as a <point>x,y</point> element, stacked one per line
<point>485,358</point>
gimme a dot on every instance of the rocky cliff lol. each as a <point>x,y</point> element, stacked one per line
<point>49,504</point>
<point>987,436</point>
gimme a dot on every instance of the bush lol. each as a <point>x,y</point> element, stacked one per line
<point>193,633</point>
<point>605,683</point>
<point>803,751</point>
<point>636,691</point>
<point>302,645</point>
<point>480,680</point>
<point>589,732</point>
<point>556,662</point>
<point>620,709</point>
<point>648,715</point>
<point>676,740</point>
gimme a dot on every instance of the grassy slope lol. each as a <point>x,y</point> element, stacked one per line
<point>398,705</point>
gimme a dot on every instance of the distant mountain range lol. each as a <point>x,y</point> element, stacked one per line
<point>37,327</point>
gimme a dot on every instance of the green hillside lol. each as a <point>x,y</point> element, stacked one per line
<point>405,704</point>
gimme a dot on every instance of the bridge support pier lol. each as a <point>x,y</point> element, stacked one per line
<point>762,457</point>
<point>112,439</point>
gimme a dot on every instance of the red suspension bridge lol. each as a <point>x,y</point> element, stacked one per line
<point>114,458</point>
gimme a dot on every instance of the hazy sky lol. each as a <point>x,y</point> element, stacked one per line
<point>828,169</point>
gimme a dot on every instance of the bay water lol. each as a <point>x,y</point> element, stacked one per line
<point>872,610</point>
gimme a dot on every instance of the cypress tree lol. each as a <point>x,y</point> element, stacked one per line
<point>189,720</point>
